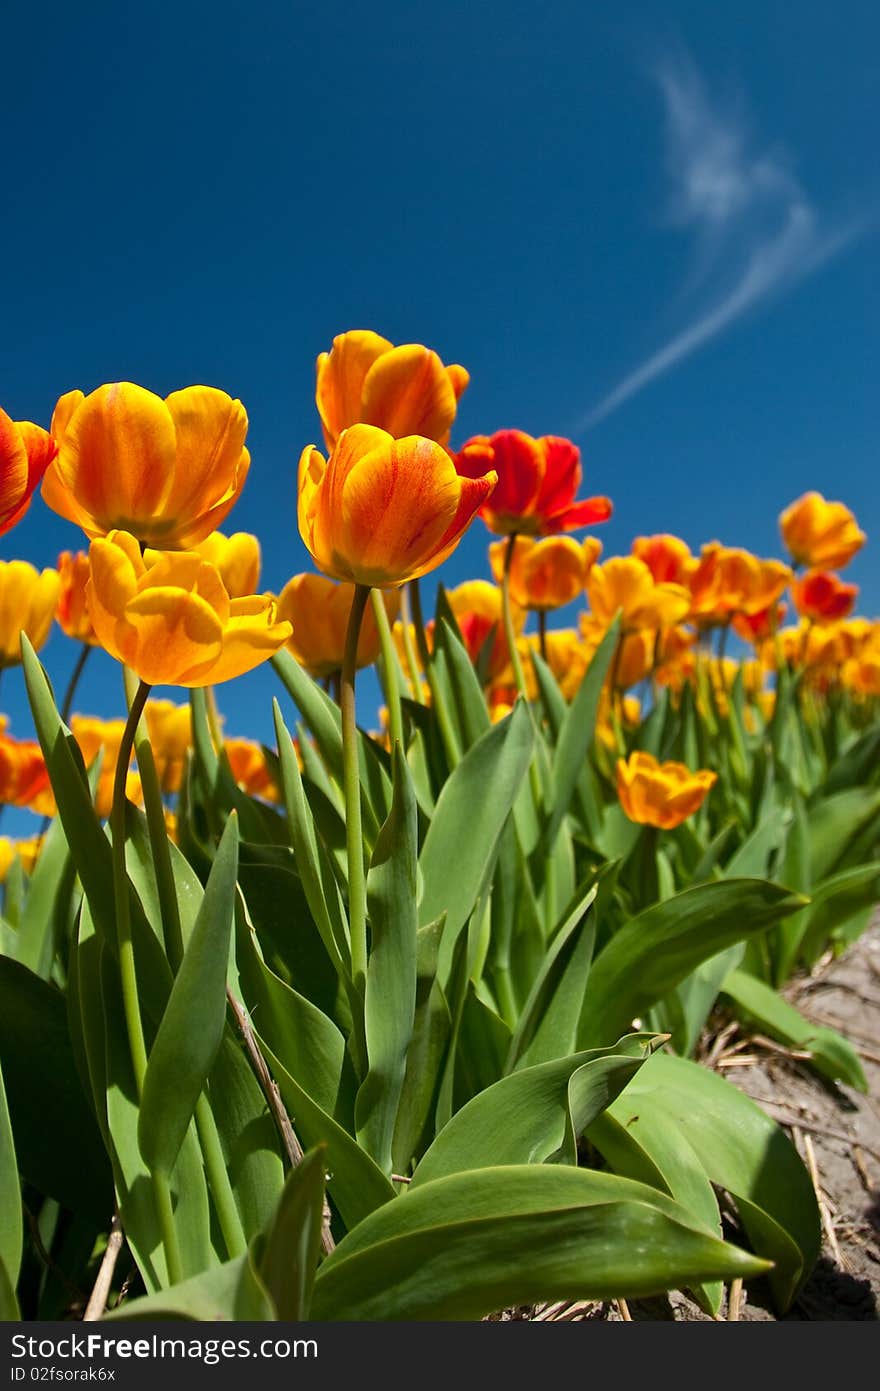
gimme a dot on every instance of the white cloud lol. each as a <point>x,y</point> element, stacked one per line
<point>754,231</point>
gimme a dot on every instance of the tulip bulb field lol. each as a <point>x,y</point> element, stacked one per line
<point>412,1012</point>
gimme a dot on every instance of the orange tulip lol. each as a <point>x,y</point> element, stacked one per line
<point>820,534</point>
<point>250,770</point>
<point>545,574</point>
<point>660,794</point>
<point>166,471</point>
<point>676,657</point>
<point>167,615</point>
<point>27,605</point>
<point>537,482</point>
<point>95,737</point>
<point>318,611</point>
<point>824,597</point>
<point>758,627</point>
<point>381,511</point>
<point>236,558</point>
<point>26,452</point>
<point>24,778</point>
<point>72,612</point>
<point>626,583</point>
<point>729,580</point>
<point>365,380</point>
<point>667,557</point>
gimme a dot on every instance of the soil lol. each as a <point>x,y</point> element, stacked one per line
<point>837,1132</point>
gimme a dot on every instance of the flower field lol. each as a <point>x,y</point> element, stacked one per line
<point>401,1017</point>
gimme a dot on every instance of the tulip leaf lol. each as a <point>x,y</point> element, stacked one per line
<point>432,1026</point>
<point>837,824</point>
<point>58,1145</point>
<point>833,902</point>
<point>209,1297</point>
<point>390,992</point>
<point>577,732</point>
<point>191,1028</point>
<point>535,1114</point>
<point>832,1054</point>
<point>472,1243</point>
<point>547,1025</point>
<point>247,1135</point>
<point>739,1148</point>
<point>470,703</point>
<point>289,1253</point>
<point>654,951</point>
<point>459,851</point>
<point>47,908</point>
<point>10,1206</point>
<point>356,1184</point>
<point>859,764</point>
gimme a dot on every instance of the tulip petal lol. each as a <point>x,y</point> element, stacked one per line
<point>589,512</point>
<point>562,474</point>
<point>13,471</point>
<point>408,391</point>
<point>248,638</point>
<point>340,379</point>
<point>64,408</point>
<point>212,462</point>
<point>178,635</point>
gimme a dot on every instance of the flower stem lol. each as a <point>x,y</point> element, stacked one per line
<point>74,681</point>
<point>357,890</point>
<point>412,660</point>
<point>390,669</point>
<point>507,612</point>
<point>415,594</point>
<point>542,633</point>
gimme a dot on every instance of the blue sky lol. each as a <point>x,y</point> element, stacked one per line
<point>656,234</point>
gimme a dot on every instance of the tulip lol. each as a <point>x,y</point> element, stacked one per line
<point>24,778</point>
<point>250,770</point>
<point>758,627</point>
<point>318,611</point>
<point>660,794</point>
<point>382,511</point>
<point>167,472</point>
<point>26,452</point>
<point>237,560</point>
<point>365,380</point>
<point>170,729</point>
<point>104,737</point>
<point>537,482</point>
<point>823,597</point>
<point>546,574</point>
<point>729,580</point>
<point>820,534</point>
<point>476,605</point>
<point>27,851</point>
<point>72,612</point>
<point>27,605</point>
<point>667,557</point>
<point>167,615</point>
<point>675,658</point>
<point>626,583</point>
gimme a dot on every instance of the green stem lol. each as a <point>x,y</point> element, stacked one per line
<point>412,660</point>
<point>218,1179</point>
<point>448,736</point>
<point>357,889</point>
<point>74,682</point>
<point>389,668</point>
<point>419,624</point>
<point>515,662</point>
<point>165,1211</point>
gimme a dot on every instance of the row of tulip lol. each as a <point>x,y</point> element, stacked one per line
<point>475,1014</point>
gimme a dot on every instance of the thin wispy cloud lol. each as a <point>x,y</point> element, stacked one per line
<point>754,231</point>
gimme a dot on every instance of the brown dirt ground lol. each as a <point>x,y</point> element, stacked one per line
<point>836,1131</point>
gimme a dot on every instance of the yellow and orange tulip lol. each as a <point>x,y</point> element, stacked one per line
<point>729,580</point>
<point>820,534</point>
<point>26,451</point>
<point>27,605</point>
<point>537,482</point>
<point>167,472</point>
<point>170,729</point>
<point>365,380</point>
<point>318,611</point>
<point>545,574</point>
<point>667,557</point>
<point>626,583</point>
<point>381,511</point>
<point>660,794</point>
<point>823,597</point>
<point>167,615</point>
<point>72,611</point>
<point>236,558</point>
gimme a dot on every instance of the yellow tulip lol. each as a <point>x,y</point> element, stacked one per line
<point>237,558</point>
<point>166,471</point>
<point>626,583</point>
<point>318,610</point>
<point>822,535</point>
<point>27,605</point>
<point>381,511</point>
<point>365,380</point>
<point>545,574</point>
<point>167,615</point>
<point>660,794</point>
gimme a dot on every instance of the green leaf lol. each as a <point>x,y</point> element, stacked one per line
<point>466,1245</point>
<point>547,1026</point>
<point>189,1035</point>
<point>46,913</point>
<point>739,1148</point>
<point>859,764</point>
<point>430,1034</point>
<point>836,823</point>
<point>832,1054</point>
<point>58,1144</point>
<point>10,1204</point>
<point>289,1255</point>
<point>577,732</point>
<point>467,694</point>
<point>390,993</point>
<point>657,949</point>
<point>459,851</point>
<point>209,1297</point>
<point>532,1115</point>
<point>833,902</point>
<point>247,1135</point>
